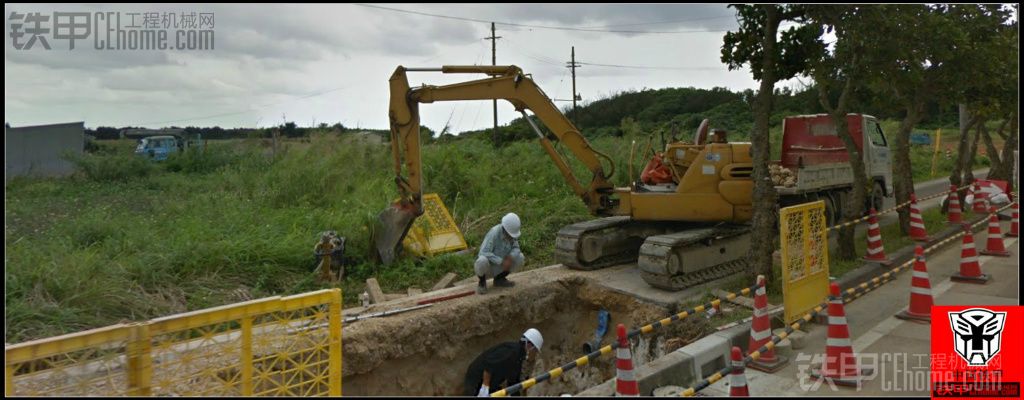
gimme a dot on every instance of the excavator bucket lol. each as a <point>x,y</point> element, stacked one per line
<point>435,232</point>
<point>392,225</point>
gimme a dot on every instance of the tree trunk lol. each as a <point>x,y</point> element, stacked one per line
<point>1001,165</point>
<point>973,154</point>
<point>853,208</point>
<point>962,154</point>
<point>1009,147</point>
<point>763,221</point>
<point>902,171</point>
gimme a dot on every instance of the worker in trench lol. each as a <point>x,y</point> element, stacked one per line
<point>502,365</point>
<point>499,254</point>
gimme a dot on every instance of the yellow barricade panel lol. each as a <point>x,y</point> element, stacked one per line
<point>804,240</point>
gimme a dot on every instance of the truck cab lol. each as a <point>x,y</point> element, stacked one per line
<point>158,148</point>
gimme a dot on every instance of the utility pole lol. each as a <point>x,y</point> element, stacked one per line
<point>494,61</point>
<point>572,65</point>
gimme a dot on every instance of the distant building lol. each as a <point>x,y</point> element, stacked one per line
<point>39,150</point>
<point>141,132</point>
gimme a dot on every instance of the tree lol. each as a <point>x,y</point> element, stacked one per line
<point>840,68</point>
<point>914,59</point>
<point>983,87</point>
<point>770,59</point>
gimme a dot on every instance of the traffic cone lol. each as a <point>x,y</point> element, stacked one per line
<point>840,363</point>
<point>917,231</point>
<point>979,203</point>
<point>920,309</point>
<point>1015,222</point>
<point>738,380</point>
<point>761,333</point>
<point>876,251</point>
<point>955,213</point>
<point>970,270</point>
<point>994,244</point>
<point>625,380</point>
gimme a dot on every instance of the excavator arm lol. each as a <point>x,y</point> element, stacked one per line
<point>507,83</point>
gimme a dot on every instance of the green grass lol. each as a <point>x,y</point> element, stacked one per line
<point>126,239</point>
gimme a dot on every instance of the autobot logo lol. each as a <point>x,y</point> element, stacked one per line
<point>976,334</point>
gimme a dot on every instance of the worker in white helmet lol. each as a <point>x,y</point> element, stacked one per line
<point>501,366</point>
<point>499,254</point>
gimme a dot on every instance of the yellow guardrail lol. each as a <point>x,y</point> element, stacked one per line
<point>284,346</point>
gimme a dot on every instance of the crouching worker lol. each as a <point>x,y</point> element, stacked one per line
<point>499,254</point>
<point>501,366</point>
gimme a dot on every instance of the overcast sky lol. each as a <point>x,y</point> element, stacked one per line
<point>331,63</point>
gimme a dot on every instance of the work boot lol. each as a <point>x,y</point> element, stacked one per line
<point>502,281</point>
<point>481,288</point>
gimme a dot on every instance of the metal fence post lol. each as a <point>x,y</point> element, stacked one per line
<point>334,323</point>
<point>140,361</point>
<point>246,356</point>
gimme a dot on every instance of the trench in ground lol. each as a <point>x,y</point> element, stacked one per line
<point>426,353</point>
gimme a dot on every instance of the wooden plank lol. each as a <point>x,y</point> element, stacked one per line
<point>376,295</point>
<point>445,282</point>
<point>415,291</point>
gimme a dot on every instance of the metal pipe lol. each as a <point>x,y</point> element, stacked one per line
<point>424,69</point>
<point>386,313</point>
<point>532,125</point>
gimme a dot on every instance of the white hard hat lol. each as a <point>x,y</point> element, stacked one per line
<point>534,337</point>
<point>511,224</point>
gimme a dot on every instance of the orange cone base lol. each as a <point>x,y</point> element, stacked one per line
<point>844,381</point>
<point>780,362</point>
<point>923,319</point>
<point>884,262</point>
<point>981,279</point>
<point>987,252</point>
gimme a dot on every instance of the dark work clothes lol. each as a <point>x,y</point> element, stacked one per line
<point>503,361</point>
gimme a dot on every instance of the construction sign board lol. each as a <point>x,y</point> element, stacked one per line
<point>804,239</point>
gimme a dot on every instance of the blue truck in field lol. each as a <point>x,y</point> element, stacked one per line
<point>158,148</point>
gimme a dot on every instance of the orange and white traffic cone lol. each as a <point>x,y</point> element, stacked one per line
<point>917,230</point>
<point>625,380</point>
<point>761,333</point>
<point>1015,222</point>
<point>954,214</point>
<point>970,270</point>
<point>980,204</point>
<point>737,379</point>
<point>994,244</point>
<point>920,309</point>
<point>876,251</point>
<point>840,364</point>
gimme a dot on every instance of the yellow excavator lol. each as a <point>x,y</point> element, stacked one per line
<point>687,229</point>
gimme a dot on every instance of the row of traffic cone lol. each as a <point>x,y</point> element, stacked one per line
<point>840,364</point>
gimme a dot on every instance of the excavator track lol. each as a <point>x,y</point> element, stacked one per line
<point>688,258</point>
<point>602,242</point>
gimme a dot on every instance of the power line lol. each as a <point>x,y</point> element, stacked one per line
<point>561,28</point>
<point>661,22</point>
<point>651,67</point>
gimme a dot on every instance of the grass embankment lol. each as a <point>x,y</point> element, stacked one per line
<point>127,239</point>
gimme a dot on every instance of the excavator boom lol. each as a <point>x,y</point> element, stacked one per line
<point>504,83</point>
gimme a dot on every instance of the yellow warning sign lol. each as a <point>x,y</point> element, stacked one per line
<point>435,231</point>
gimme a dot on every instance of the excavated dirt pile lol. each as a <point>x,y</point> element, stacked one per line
<point>427,352</point>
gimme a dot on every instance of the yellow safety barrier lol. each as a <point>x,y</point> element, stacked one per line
<point>283,346</point>
<point>891,209</point>
<point>435,231</point>
<point>804,242</point>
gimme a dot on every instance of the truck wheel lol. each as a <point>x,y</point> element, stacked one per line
<point>831,210</point>
<point>877,198</point>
